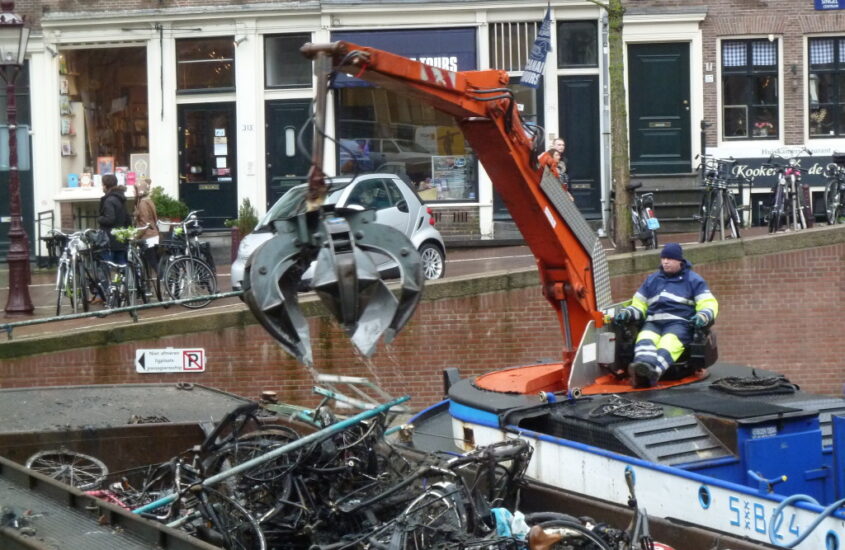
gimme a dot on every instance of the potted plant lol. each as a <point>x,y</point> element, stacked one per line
<point>168,208</point>
<point>243,225</point>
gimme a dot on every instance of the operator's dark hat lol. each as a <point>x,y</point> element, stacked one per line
<point>673,251</point>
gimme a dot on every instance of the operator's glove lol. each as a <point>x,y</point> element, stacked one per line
<point>700,320</point>
<point>622,317</point>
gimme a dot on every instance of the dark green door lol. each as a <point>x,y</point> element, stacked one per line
<point>578,101</point>
<point>659,102</point>
<point>207,161</point>
<point>287,166</point>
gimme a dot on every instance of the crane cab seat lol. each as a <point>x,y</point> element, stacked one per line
<point>702,352</point>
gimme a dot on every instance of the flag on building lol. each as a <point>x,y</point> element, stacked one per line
<point>537,58</point>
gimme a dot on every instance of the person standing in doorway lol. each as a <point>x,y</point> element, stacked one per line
<point>554,159</point>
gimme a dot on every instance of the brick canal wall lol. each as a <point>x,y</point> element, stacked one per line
<point>781,300</point>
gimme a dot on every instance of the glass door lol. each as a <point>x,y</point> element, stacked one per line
<point>207,161</point>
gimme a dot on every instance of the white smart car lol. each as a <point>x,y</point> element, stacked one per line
<point>395,202</point>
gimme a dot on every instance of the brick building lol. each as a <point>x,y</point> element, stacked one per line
<point>208,100</point>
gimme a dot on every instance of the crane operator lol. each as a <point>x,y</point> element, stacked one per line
<point>671,301</point>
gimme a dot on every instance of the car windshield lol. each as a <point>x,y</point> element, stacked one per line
<point>293,202</point>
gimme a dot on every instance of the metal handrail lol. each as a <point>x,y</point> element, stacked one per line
<point>9,327</point>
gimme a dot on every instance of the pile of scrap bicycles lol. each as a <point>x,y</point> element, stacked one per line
<point>255,483</point>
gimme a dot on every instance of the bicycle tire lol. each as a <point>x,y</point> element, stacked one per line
<point>130,286</point>
<point>161,293</point>
<point>715,216</point>
<point>432,518</point>
<point>777,210</point>
<point>188,277</point>
<point>78,470</point>
<point>228,522</point>
<point>734,222</point>
<point>80,287</point>
<point>703,215</point>
<point>832,202</point>
<point>61,286</point>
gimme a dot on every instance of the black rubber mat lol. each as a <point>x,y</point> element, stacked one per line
<point>719,404</point>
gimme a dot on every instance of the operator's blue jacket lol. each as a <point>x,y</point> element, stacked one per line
<point>666,298</point>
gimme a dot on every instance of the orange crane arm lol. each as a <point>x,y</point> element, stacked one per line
<point>570,259</point>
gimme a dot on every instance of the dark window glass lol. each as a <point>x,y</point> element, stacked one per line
<point>577,44</point>
<point>284,66</point>
<point>205,64</point>
<point>826,93</point>
<point>750,102</point>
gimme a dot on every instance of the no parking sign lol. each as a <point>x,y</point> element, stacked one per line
<point>169,360</point>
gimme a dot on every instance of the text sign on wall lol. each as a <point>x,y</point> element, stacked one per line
<point>169,360</point>
<point>830,4</point>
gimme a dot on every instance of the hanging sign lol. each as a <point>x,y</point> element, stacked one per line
<point>830,4</point>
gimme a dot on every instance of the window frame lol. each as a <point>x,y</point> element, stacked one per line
<point>750,72</point>
<point>837,71</point>
<point>179,63</point>
<point>307,36</point>
<point>589,64</point>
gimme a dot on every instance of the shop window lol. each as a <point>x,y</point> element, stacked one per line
<point>103,115</point>
<point>382,131</point>
<point>205,64</point>
<point>750,89</point>
<point>510,44</point>
<point>284,66</point>
<point>577,44</point>
<point>826,93</point>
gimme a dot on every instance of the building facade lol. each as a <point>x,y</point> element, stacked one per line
<point>209,101</point>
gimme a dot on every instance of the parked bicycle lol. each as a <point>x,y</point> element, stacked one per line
<point>834,192</point>
<point>718,211</point>
<point>71,287</point>
<point>644,223</point>
<point>790,204</point>
<point>186,270</point>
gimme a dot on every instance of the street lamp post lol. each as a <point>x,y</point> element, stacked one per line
<point>14,35</point>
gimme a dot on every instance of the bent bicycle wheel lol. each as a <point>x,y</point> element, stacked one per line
<point>189,278</point>
<point>76,469</point>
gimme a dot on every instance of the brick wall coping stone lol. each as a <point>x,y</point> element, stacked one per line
<point>453,287</point>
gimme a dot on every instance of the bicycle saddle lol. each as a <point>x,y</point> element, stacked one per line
<point>345,278</point>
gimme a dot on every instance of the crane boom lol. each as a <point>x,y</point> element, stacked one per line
<point>571,262</point>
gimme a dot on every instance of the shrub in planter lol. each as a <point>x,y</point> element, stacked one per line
<point>246,221</point>
<point>168,208</point>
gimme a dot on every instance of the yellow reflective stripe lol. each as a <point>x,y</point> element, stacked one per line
<point>708,303</point>
<point>648,335</point>
<point>671,343</point>
<point>639,304</point>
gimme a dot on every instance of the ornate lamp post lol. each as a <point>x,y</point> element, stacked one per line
<point>14,35</point>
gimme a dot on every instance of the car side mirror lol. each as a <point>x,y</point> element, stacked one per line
<point>402,205</point>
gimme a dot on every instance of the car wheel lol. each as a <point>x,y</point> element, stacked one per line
<point>434,264</point>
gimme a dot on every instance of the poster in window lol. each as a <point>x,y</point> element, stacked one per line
<point>105,165</point>
<point>67,149</point>
<point>140,164</point>
<point>448,176</point>
<point>63,86</point>
<point>64,105</point>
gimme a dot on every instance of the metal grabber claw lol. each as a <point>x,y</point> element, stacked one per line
<point>345,277</point>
